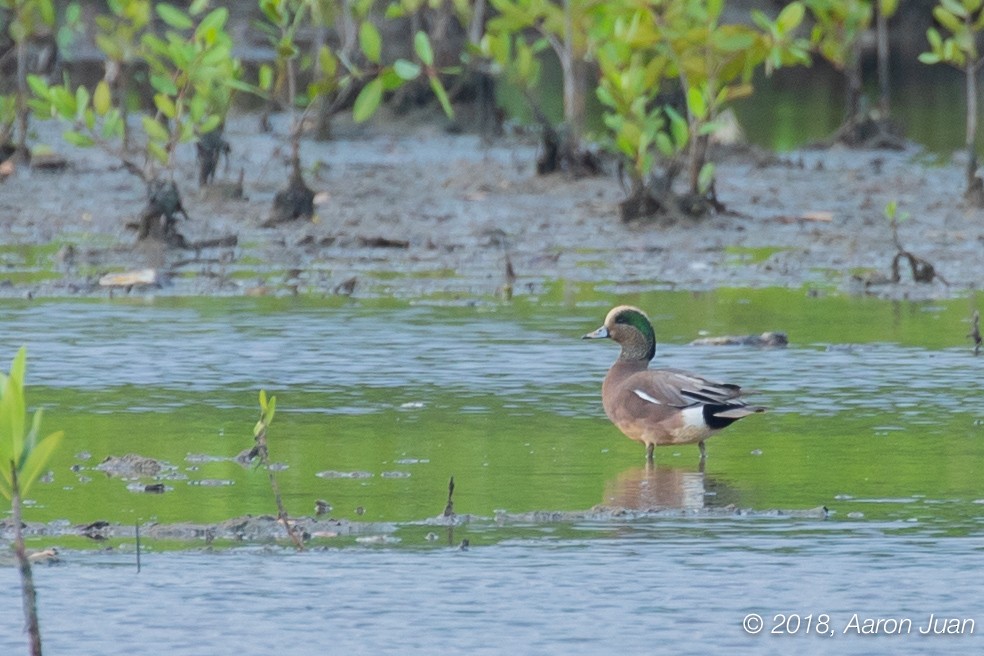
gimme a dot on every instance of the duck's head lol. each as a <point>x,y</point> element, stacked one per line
<point>631,329</point>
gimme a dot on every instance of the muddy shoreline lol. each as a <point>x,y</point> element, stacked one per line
<point>407,210</point>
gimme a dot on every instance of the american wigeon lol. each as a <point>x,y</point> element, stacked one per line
<point>659,407</point>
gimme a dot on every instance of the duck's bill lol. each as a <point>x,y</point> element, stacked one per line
<point>601,333</point>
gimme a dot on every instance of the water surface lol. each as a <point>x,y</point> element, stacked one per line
<point>875,413</point>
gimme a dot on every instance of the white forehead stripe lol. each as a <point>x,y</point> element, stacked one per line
<point>645,397</point>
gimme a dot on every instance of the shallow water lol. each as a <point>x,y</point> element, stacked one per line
<point>876,413</point>
<point>646,588</point>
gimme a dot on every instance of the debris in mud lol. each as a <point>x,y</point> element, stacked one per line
<point>382,242</point>
<point>975,331</point>
<point>47,556</point>
<point>559,155</point>
<point>922,270</point>
<point>766,339</point>
<point>341,474</point>
<point>137,278</point>
<point>449,507</point>
<point>295,201</point>
<point>48,161</point>
<point>869,131</point>
<point>210,147</point>
<point>346,287</point>
<point>158,219</point>
<point>132,465</point>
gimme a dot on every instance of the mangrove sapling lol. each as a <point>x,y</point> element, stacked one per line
<point>261,451</point>
<point>452,31</point>
<point>964,20</point>
<point>23,455</point>
<point>922,270</point>
<point>190,69</point>
<point>339,74</point>
<point>839,26</point>
<point>26,20</point>
<point>118,36</point>
<point>514,41</point>
<point>681,47</point>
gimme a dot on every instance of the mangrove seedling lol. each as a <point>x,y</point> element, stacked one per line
<point>23,456</point>
<point>922,270</point>
<point>191,70</point>
<point>964,20</point>
<point>261,450</point>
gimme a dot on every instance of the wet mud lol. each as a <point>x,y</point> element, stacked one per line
<point>404,209</point>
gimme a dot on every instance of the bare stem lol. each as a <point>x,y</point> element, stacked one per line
<point>261,450</point>
<point>27,579</point>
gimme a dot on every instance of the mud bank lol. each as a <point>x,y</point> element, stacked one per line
<point>408,210</point>
<point>267,529</point>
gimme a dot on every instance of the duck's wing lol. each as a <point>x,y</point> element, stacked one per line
<point>682,389</point>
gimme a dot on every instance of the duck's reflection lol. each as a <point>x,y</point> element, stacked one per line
<point>655,487</point>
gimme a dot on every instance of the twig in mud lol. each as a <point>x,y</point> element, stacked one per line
<point>449,508</point>
<point>267,409</point>
<point>449,511</point>
<point>136,526</point>
<point>975,331</point>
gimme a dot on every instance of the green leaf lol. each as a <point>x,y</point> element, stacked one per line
<point>102,98</point>
<point>929,58</point>
<point>78,139</point>
<point>155,131</point>
<point>265,77</point>
<point>198,6</point>
<point>38,86</point>
<point>391,81</point>
<point>37,459</point>
<point>790,17</point>
<point>174,17</point>
<point>442,95</point>
<point>891,208</point>
<point>112,127</point>
<point>678,127</point>
<point>705,178</point>
<point>367,101</point>
<point>215,20</point>
<point>164,84</point>
<point>165,105</point>
<point>209,124</point>
<point>407,70</point>
<point>664,144</point>
<point>954,7</point>
<point>370,42</point>
<point>422,46</point>
<point>158,152</point>
<point>696,103</point>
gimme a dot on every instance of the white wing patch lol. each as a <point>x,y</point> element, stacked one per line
<point>645,397</point>
<point>693,418</point>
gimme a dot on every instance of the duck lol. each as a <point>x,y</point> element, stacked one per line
<point>661,407</point>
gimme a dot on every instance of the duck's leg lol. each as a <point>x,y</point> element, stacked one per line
<point>703,450</point>
<point>649,452</point>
